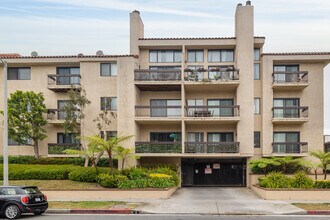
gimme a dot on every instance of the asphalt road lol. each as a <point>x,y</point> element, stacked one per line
<point>168,217</point>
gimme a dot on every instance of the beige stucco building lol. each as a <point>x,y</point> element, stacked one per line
<point>208,105</point>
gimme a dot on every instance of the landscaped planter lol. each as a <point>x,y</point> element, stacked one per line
<point>292,194</point>
<point>109,194</point>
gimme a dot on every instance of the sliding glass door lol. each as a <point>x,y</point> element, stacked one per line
<point>286,108</point>
<point>220,110</point>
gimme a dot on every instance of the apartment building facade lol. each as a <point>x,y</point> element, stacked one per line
<point>208,105</point>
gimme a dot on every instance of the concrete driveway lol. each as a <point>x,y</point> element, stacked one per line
<point>219,201</point>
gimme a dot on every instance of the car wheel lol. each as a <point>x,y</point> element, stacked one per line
<point>38,213</point>
<point>12,212</point>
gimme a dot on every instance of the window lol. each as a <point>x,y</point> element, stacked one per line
<point>283,77</point>
<point>257,139</point>
<point>19,73</point>
<point>64,77</point>
<point>108,69</point>
<point>220,137</point>
<point>221,73</point>
<point>256,71</point>
<point>220,109</point>
<point>286,68</point>
<point>257,106</point>
<point>221,55</point>
<point>284,108</point>
<point>256,54</point>
<point>165,56</point>
<point>165,67</point>
<point>165,136</point>
<point>109,103</point>
<point>67,138</point>
<point>12,142</point>
<point>195,56</point>
<point>286,142</point>
<point>109,134</point>
<point>9,191</point>
<point>162,108</point>
<point>195,137</point>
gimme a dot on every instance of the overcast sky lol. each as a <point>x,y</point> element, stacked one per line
<point>57,27</point>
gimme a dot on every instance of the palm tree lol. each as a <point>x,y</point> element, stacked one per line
<point>311,166</point>
<point>90,153</point>
<point>123,154</point>
<point>106,145</point>
<point>286,161</point>
<point>264,163</point>
<point>324,158</point>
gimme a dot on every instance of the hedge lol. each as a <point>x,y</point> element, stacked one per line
<point>87,174</point>
<point>322,184</point>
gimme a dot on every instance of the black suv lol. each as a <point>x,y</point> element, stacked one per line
<point>15,200</point>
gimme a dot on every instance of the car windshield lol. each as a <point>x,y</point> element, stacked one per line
<point>31,190</point>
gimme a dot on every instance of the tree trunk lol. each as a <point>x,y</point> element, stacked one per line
<point>94,165</point>
<point>86,162</point>
<point>110,158</point>
<point>36,148</point>
<point>315,173</point>
<point>325,172</point>
<point>98,157</point>
<point>122,164</point>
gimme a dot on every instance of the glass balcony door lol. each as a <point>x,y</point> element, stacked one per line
<point>286,108</point>
<point>290,142</point>
<point>221,111</point>
<point>65,79</point>
<point>162,108</point>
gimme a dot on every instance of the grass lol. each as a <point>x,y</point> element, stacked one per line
<point>313,206</point>
<point>55,184</point>
<point>90,205</point>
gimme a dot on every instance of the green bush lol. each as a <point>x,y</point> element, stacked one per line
<point>275,180</point>
<point>110,181</point>
<point>19,159</point>
<point>322,184</point>
<point>39,172</point>
<point>86,174</point>
<point>302,180</point>
<point>133,184</point>
<point>161,181</point>
<point>136,173</point>
<point>283,164</point>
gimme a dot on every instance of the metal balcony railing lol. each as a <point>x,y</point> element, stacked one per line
<point>158,111</point>
<point>290,147</point>
<point>213,111</point>
<point>290,112</point>
<point>290,77</point>
<point>211,147</point>
<point>158,147</point>
<point>64,79</point>
<point>58,148</point>
<point>157,75</point>
<point>212,74</point>
<point>58,114</point>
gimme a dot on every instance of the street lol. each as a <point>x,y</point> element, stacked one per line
<point>170,217</point>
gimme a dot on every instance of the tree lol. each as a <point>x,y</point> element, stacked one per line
<point>123,154</point>
<point>311,166</point>
<point>89,153</point>
<point>106,145</point>
<point>263,164</point>
<point>324,158</point>
<point>286,162</point>
<point>25,118</point>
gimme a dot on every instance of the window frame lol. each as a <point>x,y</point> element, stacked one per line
<point>195,56</point>
<point>259,109</point>
<point>256,58</point>
<point>257,135</point>
<point>110,70</point>
<point>220,52</point>
<point>254,71</point>
<point>17,74</point>
<point>104,107</point>
<point>174,56</point>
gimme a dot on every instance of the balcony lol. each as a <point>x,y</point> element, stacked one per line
<point>290,80</point>
<point>64,83</point>
<point>157,113</point>
<point>211,147</point>
<point>290,148</point>
<point>57,116</point>
<point>158,147</point>
<point>158,80</point>
<point>58,148</point>
<point>223,79</point>
<point>212,113</point>
<point>290,115</point>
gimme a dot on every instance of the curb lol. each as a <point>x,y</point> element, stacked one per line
<point>318,212</point>
<point>90,211</point>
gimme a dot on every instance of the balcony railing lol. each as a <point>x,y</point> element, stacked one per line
<point>211,147</point>
<point>290,77</point>
<point>157,75</point>
<point>214,74</point>
<point>290,112</point>
<point>64,79</point>
<point>213,111</point>
<point>58,148</point>
<point>58,114</point>
<point>158,147</point>
<point>158,111</point>
<point>290,147</point>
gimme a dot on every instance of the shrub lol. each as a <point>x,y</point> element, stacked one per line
<point>159,175</point>
<point>322,184</point>
<point>275,180</point>
<point>133,184</point>
<point>39,172</point>
<point>161,181</point>
<point>110,181</point>
<point>301,180</point>
<point>86,174</point>
<point>136,173</point>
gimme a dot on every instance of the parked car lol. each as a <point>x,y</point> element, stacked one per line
<point>15,200</point>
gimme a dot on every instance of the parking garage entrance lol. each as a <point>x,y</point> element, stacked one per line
<point>213,172</point>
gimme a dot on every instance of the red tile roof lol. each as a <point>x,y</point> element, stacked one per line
<point>194,38</point>
<point>11,56</point>
<point>295,53</point>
